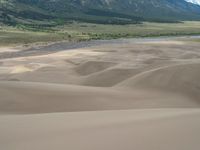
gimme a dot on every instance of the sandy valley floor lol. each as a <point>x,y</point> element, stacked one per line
<point>129,94</point>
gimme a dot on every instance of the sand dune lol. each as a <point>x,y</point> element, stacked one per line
<point>124,95</point>
<point>92,67</point>
<point>178,78</point>
<point>163,129</point>
<point>26,97</point>
<point>109,78</point>
<point>133,75</point>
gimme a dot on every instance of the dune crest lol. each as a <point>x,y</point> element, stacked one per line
<point>93,67</point>
<point>182,78</point>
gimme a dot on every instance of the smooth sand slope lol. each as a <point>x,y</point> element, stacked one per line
<point>109,130</point>
<point>126,94</point>
<point>27,97</point>
<point>182,78</point>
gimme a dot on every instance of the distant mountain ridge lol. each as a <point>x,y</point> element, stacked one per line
<point>98,11</point>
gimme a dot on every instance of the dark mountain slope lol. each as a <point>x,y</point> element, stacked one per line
<point>98,11</point>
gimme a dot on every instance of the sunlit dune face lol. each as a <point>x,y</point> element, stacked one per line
<point>20,69</point>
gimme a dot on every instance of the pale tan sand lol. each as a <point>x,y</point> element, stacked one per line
<point>101,63</point>
<point>26,97</point>
<point>20,69</point>
<point>91,67</point>
<point>164,129</point>
<point>182,78</point>
<point>109,77</point>
<point>91,86</point>
<point>9,49</point>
